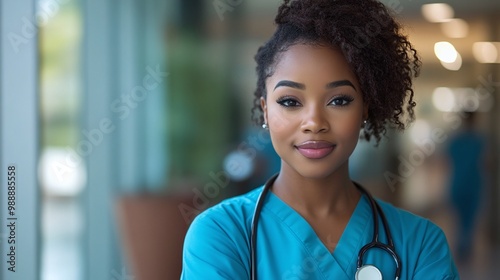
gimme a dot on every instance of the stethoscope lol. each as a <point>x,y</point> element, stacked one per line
<point>363,272</point>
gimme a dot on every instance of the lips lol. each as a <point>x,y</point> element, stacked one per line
<point>315,149</point>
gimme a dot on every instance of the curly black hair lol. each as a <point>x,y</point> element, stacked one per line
<point>370,39</point>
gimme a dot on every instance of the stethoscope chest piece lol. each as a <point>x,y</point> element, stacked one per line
<point>368,272</point>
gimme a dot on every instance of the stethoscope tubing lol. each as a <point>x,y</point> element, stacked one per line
<point>376,211</point>
<point>255,221</point>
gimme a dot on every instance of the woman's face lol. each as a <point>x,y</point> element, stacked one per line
<point>314,109</point>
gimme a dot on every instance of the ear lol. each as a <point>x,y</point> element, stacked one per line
<point>263,105</point>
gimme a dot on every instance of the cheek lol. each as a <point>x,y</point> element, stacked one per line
<point>352,135</point>
<point>349,127</point>
<point>278,122</point>
<point>352,125</point>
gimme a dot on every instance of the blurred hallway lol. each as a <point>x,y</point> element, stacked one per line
<point>483,264</point>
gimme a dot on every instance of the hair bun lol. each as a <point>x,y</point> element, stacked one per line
<point>283,13</point>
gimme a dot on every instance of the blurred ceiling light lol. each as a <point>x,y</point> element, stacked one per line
<point>455,28</point>
<point>455,65</point>
<point>486,52</point>
<point>445,51</point>
<point>443,99</point>
<point>459,99</point>
<point>437,12</point>
<point>420,130</point>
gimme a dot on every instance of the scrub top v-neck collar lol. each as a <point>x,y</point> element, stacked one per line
<point>355,235</point>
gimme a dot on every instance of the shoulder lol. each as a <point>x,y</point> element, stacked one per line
<point>404,219</point>
<point>231,217</point>
<point>235,210</point>
<point>408,226</point>
<point>223,229</point>
<point>425,245</point>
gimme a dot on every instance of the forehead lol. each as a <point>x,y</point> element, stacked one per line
<point>302,60</point>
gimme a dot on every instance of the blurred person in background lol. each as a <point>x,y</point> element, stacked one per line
<point>466,154</point>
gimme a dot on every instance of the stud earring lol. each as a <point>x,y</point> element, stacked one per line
<point>264,126</point>
<point>362,130</point>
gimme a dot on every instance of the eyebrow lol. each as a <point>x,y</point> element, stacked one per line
<point>339,84</point>
<point>287,83</point>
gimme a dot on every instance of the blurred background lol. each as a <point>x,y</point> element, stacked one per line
<point>138,115</point>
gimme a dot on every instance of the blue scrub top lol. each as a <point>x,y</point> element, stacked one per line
<point>217,244</point>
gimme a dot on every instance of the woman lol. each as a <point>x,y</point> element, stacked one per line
<point>330,69</point>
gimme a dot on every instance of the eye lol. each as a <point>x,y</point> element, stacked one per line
<point>288,102</point>
<point>341,100</point>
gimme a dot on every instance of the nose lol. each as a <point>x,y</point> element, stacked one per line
<point>315,121</point>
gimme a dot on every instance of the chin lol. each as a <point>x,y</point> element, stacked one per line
<point>315,172</point>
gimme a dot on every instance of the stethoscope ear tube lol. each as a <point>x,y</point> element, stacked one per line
<point>255,222</point>
<point>390,241</point>
<point>389,247</point>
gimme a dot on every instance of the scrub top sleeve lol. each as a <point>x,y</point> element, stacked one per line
<point>209,252</point>
<point>435,260</point>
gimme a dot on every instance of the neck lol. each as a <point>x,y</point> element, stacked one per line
<point>317,197</point>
